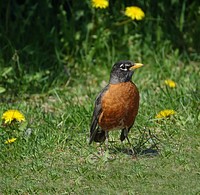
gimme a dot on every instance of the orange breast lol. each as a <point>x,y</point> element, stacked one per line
<point>119,106</point>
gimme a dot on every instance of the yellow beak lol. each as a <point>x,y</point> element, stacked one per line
<point>136,65</point>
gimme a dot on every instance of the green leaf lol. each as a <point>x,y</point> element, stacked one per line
<point>23,126</point>
<point>2,89</point>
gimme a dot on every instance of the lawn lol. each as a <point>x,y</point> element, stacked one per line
<point>55,58</point>
<point>51,154</point>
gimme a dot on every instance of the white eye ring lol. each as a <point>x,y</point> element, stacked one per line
<point>123,67</point>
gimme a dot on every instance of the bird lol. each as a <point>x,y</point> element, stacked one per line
<point>116,106</point>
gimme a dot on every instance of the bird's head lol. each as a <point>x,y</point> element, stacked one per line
<point>122,71</point>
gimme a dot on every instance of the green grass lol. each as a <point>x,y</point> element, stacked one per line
<point>56,157</point>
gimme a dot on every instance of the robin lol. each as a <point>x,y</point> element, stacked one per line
<point>116,106</point>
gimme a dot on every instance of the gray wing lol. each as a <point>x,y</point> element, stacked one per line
<point>96,134</point>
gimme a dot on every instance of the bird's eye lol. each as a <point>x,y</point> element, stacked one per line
<point>123,67</point>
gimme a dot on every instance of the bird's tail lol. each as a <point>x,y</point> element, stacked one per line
<point>98,136</point>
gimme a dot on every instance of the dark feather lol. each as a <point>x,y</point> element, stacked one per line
<point>124,134</point>
<point>96,134</point>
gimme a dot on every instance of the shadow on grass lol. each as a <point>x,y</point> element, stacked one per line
<point>141,149</point>
<point>149,152</point>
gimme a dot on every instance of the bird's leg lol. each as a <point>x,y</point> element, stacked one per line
<point>126,136</point>
<point>107,139</point>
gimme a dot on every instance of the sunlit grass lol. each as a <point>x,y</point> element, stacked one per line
<point>54,60</point>
<point>52,155</point>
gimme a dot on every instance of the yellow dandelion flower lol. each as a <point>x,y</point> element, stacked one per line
<point>170,83</point>
<point>165,113</point>
<point>12,115</point>
<point>135,13</point>
<point>102,4</point>
<point>9,141</point>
